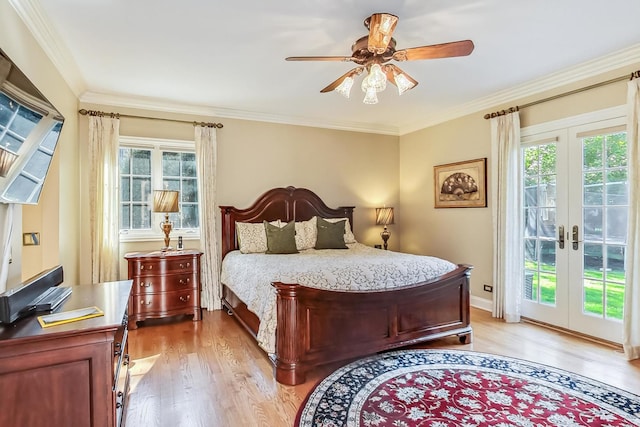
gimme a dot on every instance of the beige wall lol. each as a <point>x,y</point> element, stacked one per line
<point>343,168</point>
<point>464,235</point>
<point>56,216</point>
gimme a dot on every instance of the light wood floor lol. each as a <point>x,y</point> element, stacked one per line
<point>211,373</point>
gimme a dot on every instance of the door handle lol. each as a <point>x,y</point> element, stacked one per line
<point>574,237</point>
<point>561,237</point>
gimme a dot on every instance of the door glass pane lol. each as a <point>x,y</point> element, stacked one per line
<point>539,223</point>
<point>605,214</point>
<point>592,218</point>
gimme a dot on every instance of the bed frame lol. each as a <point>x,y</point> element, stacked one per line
<point>316,327</point>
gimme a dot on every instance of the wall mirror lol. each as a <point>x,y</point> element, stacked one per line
<point>29,130</point>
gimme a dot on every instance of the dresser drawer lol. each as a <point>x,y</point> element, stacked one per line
<point>174,282</point>
<point>160,266</point>
<point>166,302</point>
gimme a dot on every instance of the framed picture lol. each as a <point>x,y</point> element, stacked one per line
<point>461,185</point>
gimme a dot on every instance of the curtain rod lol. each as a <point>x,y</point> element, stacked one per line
<point>118,115</point>
<point>562,95</point>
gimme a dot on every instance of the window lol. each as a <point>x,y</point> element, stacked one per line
<point>152,164</point>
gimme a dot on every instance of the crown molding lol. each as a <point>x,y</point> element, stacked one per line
<point>152,104</point>
<point>36,21</point>
<point>611,62</point>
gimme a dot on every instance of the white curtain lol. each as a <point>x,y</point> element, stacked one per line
<point>6,230</point>
<point>103,186</point>
<point>206,160</point>
<point>505,203</point>
<point>631,337</point>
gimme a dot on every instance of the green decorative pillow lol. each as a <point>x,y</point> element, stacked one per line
<point>330,235</point>
<point>281,240</point>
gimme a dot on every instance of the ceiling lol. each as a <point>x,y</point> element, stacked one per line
<point>226,59</point>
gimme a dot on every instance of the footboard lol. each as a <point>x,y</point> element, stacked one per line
<point>317,326</point>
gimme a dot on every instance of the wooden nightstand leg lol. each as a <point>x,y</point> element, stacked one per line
<point>197,314</point>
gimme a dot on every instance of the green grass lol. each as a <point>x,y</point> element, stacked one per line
<point>594,290</point>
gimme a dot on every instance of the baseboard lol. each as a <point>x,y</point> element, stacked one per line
<point>481,303</point>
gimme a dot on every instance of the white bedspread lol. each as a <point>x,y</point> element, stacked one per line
<point>358,268</point>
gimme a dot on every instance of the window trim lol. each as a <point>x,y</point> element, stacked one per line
<point>156,145</point>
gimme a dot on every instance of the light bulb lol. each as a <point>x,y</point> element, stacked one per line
<point>344,88</point>
<point>371,96</point>
<point>403,83</point>
<point>376,78</point>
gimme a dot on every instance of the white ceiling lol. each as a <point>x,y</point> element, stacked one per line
<point>226,58</point>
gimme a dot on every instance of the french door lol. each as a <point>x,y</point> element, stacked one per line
<point>574,210</point>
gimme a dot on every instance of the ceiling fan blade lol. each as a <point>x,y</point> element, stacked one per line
<point>435,51</point>
<point>319,58</point>
<point>351,73</point>
<point>381,27</point>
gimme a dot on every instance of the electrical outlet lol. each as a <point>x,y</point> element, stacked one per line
<point>488,288</point>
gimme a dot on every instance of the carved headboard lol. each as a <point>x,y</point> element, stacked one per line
<point>286,204</point>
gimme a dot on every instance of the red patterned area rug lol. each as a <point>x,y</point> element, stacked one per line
<point>447,388</point>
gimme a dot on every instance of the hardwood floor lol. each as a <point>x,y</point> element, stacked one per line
<point>211,373</point>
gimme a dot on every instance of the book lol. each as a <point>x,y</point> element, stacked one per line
<point>69,316</point>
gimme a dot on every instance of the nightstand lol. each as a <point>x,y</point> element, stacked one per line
<point>164,284</point>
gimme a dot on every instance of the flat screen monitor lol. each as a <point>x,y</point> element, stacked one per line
<point>29,130</point>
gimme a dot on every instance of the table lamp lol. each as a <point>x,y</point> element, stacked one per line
<point>166,201</point>
<point>384,216</point>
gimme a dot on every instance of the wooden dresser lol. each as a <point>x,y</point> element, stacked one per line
<point>75,374</point>
<point>164,284</point>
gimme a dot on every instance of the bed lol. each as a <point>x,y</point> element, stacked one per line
<point>319,326</point>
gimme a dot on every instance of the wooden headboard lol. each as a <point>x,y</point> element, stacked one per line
<point>286,204</point>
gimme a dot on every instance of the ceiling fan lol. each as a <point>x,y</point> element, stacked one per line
<point>373,52</point>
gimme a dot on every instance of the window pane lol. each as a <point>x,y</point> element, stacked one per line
<point>11,143</point>
<point>24,122</point>
<point>593,188</point>
<point>141,162</point>
<point>190,216</point>
<point>617,224</point>
<point>617,150</point>
<point>171,184</point>
<point>125,220</point>
<point>189,190</point>
<point>38,164</point>
<point>21,189</point>
<point>8,109</point>
<point>617,187</point>
<point>170,164</point>
<point>125,189</point>
<point>141,217</point>
<point>125,160</point>
<point>592,218</point>
<point>592,152</point>
<point>51,140</point>
<point>140,189</point>
<point>189,164</point>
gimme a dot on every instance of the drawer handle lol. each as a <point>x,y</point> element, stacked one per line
<point>150,267</point>
<point>145,285</point>
<point>182,265</point>
<point>145,303</point>
<point>118,405</point>
<point>185,281</point>
<point>186,298</point>
<point>120,394</point>
<point>126,360</point>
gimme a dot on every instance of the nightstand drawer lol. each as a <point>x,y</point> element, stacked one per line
<point>166,302</point>
<point>149,267</point>
<point>155,284</point>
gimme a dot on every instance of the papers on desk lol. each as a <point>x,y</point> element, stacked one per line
<point>69,316</point>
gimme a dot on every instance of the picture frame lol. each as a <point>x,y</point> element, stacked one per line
<point>461,184</point>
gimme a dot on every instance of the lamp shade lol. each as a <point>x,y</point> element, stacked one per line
<point>6,161</point>
<point>165,201</point>
<point>384,216</point>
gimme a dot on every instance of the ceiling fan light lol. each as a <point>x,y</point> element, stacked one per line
<point>377,79</point>
<point>403,83</point>
<point>344,88</point>
<point>371,96</point>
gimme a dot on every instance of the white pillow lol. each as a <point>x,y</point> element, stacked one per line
<point>251,236</point>
<point>348,234</point>
<point>306,234</point>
